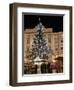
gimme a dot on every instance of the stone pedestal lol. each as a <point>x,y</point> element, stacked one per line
<point>39,69</point>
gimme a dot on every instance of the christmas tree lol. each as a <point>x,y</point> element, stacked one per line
<point>39,46</point>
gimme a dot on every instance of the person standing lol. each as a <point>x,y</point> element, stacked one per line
<point>43,68</point>
<point>48,67</point>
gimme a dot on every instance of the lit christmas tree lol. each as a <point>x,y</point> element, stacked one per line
<point>39,46</point>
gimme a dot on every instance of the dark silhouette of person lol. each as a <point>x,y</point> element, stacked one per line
<point>35,69</point>
<point>43,67</point>
<point>48,68</point>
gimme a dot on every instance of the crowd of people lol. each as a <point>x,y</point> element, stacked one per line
<point>45,67</point>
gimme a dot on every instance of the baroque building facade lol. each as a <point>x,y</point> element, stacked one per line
<point>54,41</point>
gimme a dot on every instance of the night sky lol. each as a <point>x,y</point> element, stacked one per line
<point>55,22</point>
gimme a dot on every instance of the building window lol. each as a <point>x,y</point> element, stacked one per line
<point>28,39</point>
<point>61,41</point>
<point>61,48</point>
<point>49,39</point>
<point>56,49</point>
<point>27,49</point>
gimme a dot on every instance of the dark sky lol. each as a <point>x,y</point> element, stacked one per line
<point>55,22</point>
